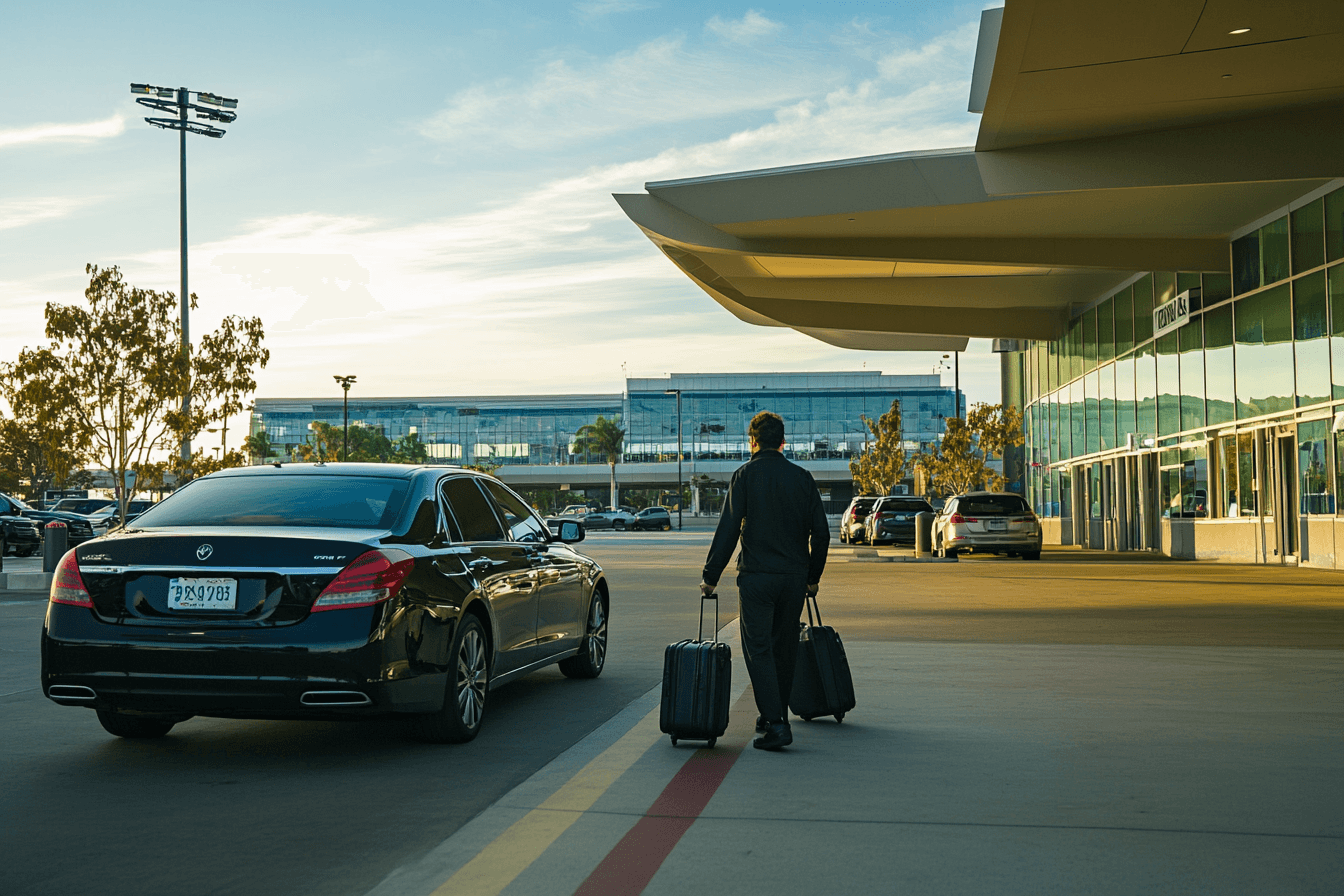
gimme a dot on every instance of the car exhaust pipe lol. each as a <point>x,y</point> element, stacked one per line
<point>72,692</point>
<point>335,698</point>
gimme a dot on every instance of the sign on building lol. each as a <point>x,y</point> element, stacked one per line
<point>1171,315</point>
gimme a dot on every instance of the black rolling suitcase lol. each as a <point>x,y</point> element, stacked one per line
<point>822,685</point>
<point>697,678</point>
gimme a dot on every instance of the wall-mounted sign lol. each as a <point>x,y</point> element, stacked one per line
<point>1170,315</point>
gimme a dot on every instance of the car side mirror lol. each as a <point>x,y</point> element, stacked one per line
<point>571,532</point>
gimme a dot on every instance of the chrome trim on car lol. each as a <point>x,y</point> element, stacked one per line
<point>335,698</point>
<point>182,567</point>
<point>71,692</point>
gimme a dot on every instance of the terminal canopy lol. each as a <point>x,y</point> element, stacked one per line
<point>1116,138</point>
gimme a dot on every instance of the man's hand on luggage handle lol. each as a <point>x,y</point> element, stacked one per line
<point>706,590</point>
<point>811,590</point>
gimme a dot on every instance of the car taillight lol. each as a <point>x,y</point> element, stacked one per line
<point>67,585</point>
<point>371,578</point>
<point>956,519</point>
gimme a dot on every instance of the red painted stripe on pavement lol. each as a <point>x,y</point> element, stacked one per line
<point>629,867</point>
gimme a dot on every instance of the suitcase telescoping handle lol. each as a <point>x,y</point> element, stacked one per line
<point>811,603</point>
<point>714,596</point>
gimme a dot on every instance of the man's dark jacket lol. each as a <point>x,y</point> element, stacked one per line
<point>773,504</point>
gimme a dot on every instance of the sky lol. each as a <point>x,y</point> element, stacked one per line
<point>419,193</point>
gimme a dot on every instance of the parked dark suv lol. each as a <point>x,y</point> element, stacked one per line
<point>851,521</point>
<point>653,518</point>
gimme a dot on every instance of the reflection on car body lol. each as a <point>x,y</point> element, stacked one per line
<point>321,591</point>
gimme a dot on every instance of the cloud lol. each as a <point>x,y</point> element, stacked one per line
<point>23,212</point>
<point>595,8</point>
<point>43,133</point>
<point>663,81</point>
<point>750,27</point>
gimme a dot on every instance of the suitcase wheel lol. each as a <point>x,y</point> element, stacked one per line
<point>712,742</point>
<point>674,740</point>
<point>839,717</point>
<point>807,718</point>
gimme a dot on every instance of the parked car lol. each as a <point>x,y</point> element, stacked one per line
<point>611,518</point>
<point>90,507</point>
<point>851,521</point>
<point>22,537</point>
<point>333,591</point>
<point>78,529</point>
<point>653,518</point>
<point>987,522</point>
<point>575,510</point>
<point>133,510</point>
<point>892,519</point>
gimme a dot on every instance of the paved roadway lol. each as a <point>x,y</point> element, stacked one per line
<point>264,807</point>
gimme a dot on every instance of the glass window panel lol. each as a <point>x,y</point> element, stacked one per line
<point>1168,385</point>
<point>1089,338</point>
<point>1274,250</point>
<point>1194,483</point>
<point>1216,288</point>
<point>1124,320</point>
<point>1145,391</point>
<point>1191,342</point>
<point>1052,364</point>
<point>1335,285</point>
<point>1246,473</point>
<point>1313,472</point>
<point>1106,407</point>
<point>1311,337</point>
<point>1246,263</point>
<point>1309,236</point>
<point>1077,420</point>
<point>1334,225</point>
<point>1143,309</point>
<point>1064,489</point>
<point>1075,356</point>
<point>1264,352</point>
<point>1219,385</point>
<point>1053,422</point>
<point>1171,491</point>
<point>1091,410</point>
<point>1227,476</point>
<point>1187,281</point>
<point>1126,420</point>
<point>1164,288</point>
<point>1339,463</point>
<point>1106,331</point>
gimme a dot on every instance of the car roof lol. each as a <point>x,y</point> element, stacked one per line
<point>390,471</point>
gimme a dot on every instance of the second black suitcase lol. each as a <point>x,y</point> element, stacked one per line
<point>697,681</point>
<point>822,684</point>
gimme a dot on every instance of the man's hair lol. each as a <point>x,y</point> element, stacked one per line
<point>767,430</point>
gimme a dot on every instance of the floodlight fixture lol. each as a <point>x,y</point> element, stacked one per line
<point>177,102</point>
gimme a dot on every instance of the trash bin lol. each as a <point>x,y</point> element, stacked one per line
<point>923,533</point>
<point>55,536</point>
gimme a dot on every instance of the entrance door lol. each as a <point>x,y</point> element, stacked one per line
<point>1283,457</point>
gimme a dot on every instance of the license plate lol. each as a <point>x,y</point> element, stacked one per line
<point>998,525</point>
<point>202,594</point>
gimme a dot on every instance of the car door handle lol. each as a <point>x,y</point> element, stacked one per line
<point>480,565</point>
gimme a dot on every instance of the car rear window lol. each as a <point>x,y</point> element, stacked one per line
<point>908,505</point>
<point>990,505</point>
<point>343,502</point>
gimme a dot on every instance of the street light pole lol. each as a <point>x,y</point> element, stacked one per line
<point>178,102</point>
<point>680,490</point>
<point>345,382</point>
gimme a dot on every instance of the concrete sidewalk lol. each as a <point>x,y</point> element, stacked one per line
<point>24,574</point>
<point>965,768</point>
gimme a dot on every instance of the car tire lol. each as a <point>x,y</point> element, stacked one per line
<point>134,727</point>
<point>592,655</point>
<point>1031,555</point>
<point>464,703</point>
<point>25,552</point>
<point>844,539</point>
<point>618,525</point>
<point>667,527</point>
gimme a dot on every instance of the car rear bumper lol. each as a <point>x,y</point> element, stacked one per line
<point>229,674</point>
<point>997,542</point>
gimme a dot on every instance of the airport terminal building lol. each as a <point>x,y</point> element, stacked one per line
<point>531,437</point>
<point>1150,225</point>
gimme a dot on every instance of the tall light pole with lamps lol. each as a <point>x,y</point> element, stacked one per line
<point>177,101</point>
<point>680,493</point>
<point>346,382</point>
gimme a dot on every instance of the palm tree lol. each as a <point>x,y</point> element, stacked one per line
<point>603,436</point>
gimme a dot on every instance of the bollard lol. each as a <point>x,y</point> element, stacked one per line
<point>3,547</point>
<point>923,533</point>
<point>54,538</point>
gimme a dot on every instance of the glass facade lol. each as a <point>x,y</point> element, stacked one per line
<point>823,418</point>
<point>1259,365</point>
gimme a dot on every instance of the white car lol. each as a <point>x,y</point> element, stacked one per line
<point>987,523</point>
<point>611,518</point>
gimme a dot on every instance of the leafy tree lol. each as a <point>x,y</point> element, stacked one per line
<point>882,465</point>
<point>960,461</point>
<point>603,437</point>
<point>117,363</point>
<point>368,444</point>
<point>258,447</point>
<point>42,443</point>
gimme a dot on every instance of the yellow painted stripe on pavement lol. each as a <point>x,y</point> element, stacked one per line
<point>496,866</point>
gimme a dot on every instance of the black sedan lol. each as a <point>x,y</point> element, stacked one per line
<point>321,592</point>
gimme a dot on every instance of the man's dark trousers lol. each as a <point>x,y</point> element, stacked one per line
<point>770,606</point>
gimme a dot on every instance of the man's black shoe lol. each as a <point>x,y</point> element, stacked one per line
<point>762,725</point>
<point>777,736</point>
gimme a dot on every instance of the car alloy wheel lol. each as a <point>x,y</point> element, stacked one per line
<point>464,703</point>
<point>471,678</point>
<point>592,655</point>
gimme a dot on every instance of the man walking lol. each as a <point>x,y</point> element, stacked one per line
<point>774,507</point>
